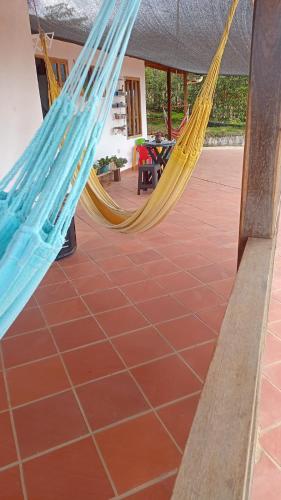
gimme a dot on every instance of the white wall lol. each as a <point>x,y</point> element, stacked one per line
<point>20,109</point>
<point>110,143</point>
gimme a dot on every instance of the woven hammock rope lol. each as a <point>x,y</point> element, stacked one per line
<point>39,194</point>
<point>182,162</point>
<point>103,209</point>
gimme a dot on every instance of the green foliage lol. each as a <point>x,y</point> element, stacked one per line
<point>230,102</point>
<point>155,121</point>
<point>119,162</point>
<point>103,164</point>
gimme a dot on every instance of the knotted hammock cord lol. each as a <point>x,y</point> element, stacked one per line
<point>102,208</point>
<point>39,194</point>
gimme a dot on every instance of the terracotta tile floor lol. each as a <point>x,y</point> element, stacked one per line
<point>101,374</point>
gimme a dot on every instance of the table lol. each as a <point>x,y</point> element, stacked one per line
<point>160,157</point>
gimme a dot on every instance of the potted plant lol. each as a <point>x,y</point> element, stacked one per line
<point>118,162</point>
<point>104,164</point>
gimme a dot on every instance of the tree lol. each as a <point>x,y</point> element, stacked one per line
<point>230,103</point>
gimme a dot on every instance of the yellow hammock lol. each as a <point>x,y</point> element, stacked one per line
<point>99,204</point>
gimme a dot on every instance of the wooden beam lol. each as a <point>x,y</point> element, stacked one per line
<point>262,157</point>
<point>218,459</point>
<point>169,103</point>
<point>162,67</point>
<point>185,93</point>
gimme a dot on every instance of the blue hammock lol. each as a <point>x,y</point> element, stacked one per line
<point>39,195</point>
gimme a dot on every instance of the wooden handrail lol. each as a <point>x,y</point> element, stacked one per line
<point>218,459</point>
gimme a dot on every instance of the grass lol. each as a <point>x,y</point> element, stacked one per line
<point>156,123</point>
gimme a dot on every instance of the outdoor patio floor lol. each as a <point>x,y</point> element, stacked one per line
<point>101,374</point>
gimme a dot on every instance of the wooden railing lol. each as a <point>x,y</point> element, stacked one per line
<point>219,454</point>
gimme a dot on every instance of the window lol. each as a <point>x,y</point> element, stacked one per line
<point>60,68</point>
<point>133,101</point>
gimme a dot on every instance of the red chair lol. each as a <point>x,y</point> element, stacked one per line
<point>144,157</point>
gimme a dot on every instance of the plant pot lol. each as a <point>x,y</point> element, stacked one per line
<point>104,169</point>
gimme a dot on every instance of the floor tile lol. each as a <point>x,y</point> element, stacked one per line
<point>138,292</point>
<point>76,258</point>
<point>137,451</point>
<point>115,263</point>
<point>77,333</point>
<point>211,272</point>
<point>31,303</point>
<point>273,373</point>
<point>88,284</point>
<point>178,281</point>
<point>173,250</point>
<point>111,399</point>
<point>267,480</point>
<point>8,452</point>
<point>74,471</point>
<point>104,300</point>
<point>36,380</point>
<point>213,317</point>
<point>25,348</point>
<point>178,418</point>
<point>28,320</point>
<point>124,276</point>
<point>200,357</point>
<point>185,332</point>
<point>121,320</point>
<point>159,491</point>
<point>83,269</point>
<point>104,252</point>
<point>272,350</point>
<point>166,380</point>
<point>141,346</point>
<point>3,395</point>
<point>144,256</point>
<point>271,443</point>
<point>198,298</point>
<point>92,362</point>
<point>42,425</point>
<point>270,405</point>
<point>190,261</point>
<point>67,310</point>
<point>274,313</point>
<point>54,275</point>
<point>10,485</point>
<point>161,309</point>
<point>159,267</point>
<point>276,328</point>
<point>223,287</point>
<point>54,293</point>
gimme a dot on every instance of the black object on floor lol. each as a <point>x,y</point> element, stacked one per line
<point>70,243</point>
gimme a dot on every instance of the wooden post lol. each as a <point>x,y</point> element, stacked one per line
<point>185,93</point>
<point>262,157</point>
<point>169,103</point>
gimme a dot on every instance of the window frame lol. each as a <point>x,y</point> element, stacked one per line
<point>133,106</point>
<point>58,61</point>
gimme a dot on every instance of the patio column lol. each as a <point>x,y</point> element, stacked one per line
<point>185,93</point>
<point>169,103</point>
<point>20,106</point>
<point>262,157</point>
